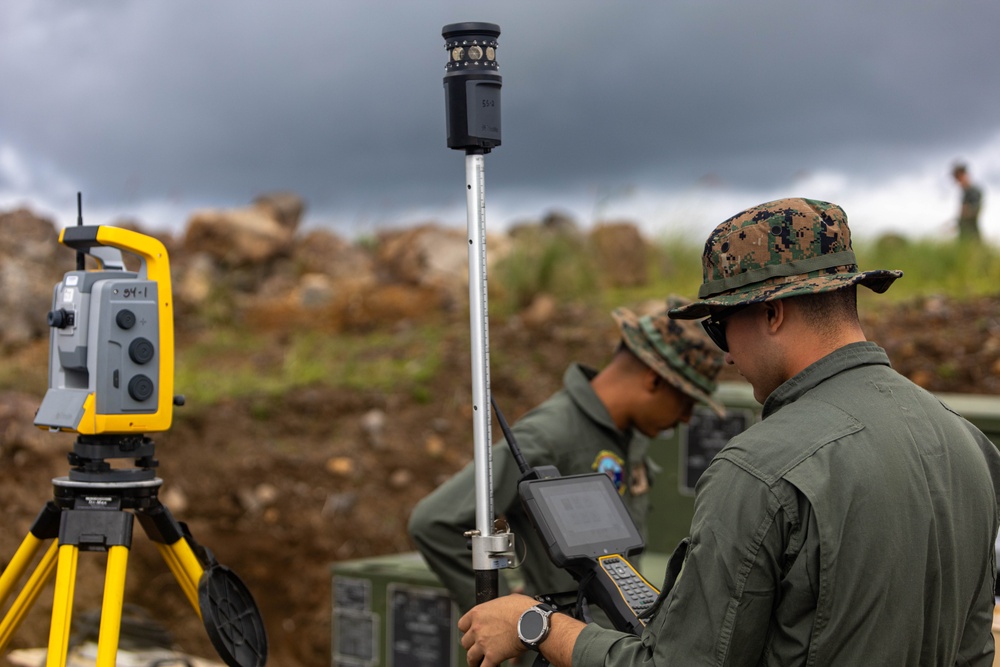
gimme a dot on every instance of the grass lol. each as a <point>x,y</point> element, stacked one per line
<point>542,263</point>
<point>948,268</point>
<point>958,270</point>
<point>239,363</point>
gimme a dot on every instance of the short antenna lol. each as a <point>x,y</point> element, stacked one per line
<point>80,258</point>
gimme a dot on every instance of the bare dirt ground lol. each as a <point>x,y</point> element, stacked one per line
<point>281,490</point>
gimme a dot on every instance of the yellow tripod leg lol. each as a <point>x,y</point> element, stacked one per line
<point>18,565</point>
<point>111,608</point>
<point>62,605</point>
<point>186,567</point>
<point>46,567</point>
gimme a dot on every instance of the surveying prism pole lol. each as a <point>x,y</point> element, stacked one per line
<point>472,100</point>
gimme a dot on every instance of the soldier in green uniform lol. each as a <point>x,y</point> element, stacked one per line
<point>853,525</point>
<point>972,202</point>
<point>599,421</point>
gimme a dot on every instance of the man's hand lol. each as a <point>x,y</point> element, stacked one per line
<point>491,633</point>
<point>490,630</point>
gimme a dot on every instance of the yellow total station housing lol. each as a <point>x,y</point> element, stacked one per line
<point>111,344</point>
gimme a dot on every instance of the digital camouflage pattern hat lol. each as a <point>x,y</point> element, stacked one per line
<point>680,352</point>
<point>783,248</point>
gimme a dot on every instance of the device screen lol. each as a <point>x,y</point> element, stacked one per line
<point>583,515</point>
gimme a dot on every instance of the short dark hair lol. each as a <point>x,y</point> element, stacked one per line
<point>828,310</point>
<point>959,169</point>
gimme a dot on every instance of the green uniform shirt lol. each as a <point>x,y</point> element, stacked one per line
<point>573,431</point>
<point>968,217</point>
<point>853,526</point>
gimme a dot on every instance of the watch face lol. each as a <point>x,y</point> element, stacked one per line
<point>532,624</point>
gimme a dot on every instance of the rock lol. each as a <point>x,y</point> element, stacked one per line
<point>266,494</point>
<point>259,498</point>
<point>32,261</point>
<point>373,426</point>
<point>434,445</point>
<point>433,256</point>
<point>425,255</point>
<point>621,252</point>
<point>441,424</point>
<point>196,282</point>
<point>314,290</point>
<point>339,503</point>
<point>284,207</point>
<point>540,311</point>
<point>400,478</point>
<point>175,499</point>
<point>323,252</point>
<point>341,466</point>
<point>238,237</point>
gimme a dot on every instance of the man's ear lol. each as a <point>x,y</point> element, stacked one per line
<point>774,312</point>
<point>652,380</point>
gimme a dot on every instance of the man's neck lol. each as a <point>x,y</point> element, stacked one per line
<point>807,350</point>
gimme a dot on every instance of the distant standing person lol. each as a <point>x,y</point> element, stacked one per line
<point>972,201</point>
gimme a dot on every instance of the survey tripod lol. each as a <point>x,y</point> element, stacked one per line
<point>93,510</point>
<point>111,367</point>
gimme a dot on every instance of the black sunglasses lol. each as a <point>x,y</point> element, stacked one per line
<point>715,325</point>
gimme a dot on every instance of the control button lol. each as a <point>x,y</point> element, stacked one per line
<point>140,388</point>
<point>141,350</point>
<point>125,319</point>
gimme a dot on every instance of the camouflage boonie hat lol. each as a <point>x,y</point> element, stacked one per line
<point>680,352</point>
<point>783,248</point>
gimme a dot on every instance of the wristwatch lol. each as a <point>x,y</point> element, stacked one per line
<point>533,626</point>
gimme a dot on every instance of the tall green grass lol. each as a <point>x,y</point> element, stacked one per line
<point>950,268</point>
<point>930,267</point>
<point>563,266</point>
<point>542,262</point>
<point>233,363</point>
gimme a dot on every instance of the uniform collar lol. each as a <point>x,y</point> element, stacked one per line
<point>576,381</point>
<point>845,358</point>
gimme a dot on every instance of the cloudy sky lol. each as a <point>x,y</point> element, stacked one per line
<point>674,114</point>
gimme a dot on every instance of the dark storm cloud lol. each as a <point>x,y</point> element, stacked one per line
<point>342,102</point>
